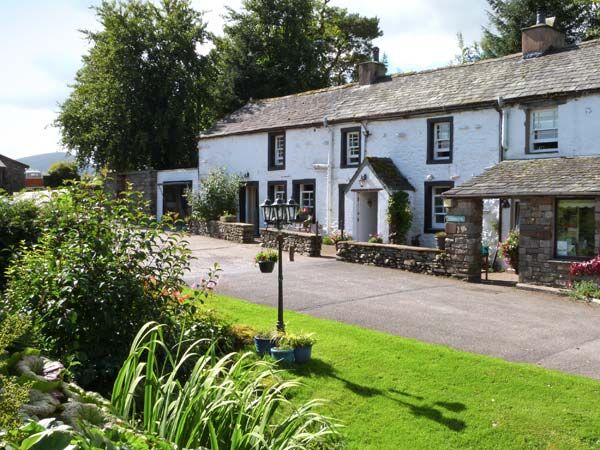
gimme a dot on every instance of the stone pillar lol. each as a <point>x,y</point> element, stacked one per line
<point>536,241</point>
<point>597,237</point>
<point>463,241</point>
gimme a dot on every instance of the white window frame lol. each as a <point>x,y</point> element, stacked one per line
<point>352,148</point>
<point>441,146</point>
<point>551,131</point>
<point>307,196</point>
<point>279,191</point>
<point>438,210</point>
<point>279,150</point>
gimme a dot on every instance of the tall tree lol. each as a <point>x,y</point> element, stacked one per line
<point>508,17</point>
<point>279,47</point>
<point>143,93</point>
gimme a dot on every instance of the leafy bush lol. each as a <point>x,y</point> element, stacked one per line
<point>585,290</point>
<point>399,216</point>
<point>99,272</point>
<point>375,239</point>
<point>509,249</point>
<point>19,226</point>
<point>218,193</point>
<point>585,268</point>
<point>234,402</point>
<point>60,172</point>
<point>328,241</point>
<point>266,255</point>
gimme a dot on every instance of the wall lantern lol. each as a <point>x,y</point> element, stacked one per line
<point>448,202</point>
<point>362,180</point>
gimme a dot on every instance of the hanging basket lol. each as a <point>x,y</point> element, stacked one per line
<point>266,266</point>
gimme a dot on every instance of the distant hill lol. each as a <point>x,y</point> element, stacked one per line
<point>45,160</point>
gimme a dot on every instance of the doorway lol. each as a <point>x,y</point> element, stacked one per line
<point>249,205</point>
<point>174,198</point>
<point>366,215</point>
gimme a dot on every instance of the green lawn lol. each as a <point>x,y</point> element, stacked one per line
<point>397,393</point>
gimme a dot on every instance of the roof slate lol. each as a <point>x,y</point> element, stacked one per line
<point>534,177</point>
<point>573,69</point>
<point>387,172</point>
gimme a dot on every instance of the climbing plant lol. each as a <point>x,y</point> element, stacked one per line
<point>399,216</point>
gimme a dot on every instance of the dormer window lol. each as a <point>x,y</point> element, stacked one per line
<point>277,151</point>
<point>351,147</point>
<point>440,140</point>
<point>543,135</point>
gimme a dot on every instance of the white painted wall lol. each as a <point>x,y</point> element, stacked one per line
<point>476,140</point>
<point>166,176</point>
<point>578,132</point>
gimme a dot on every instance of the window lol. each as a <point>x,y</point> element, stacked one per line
<point>277,189</point>
<point>304,194</point>
<point>435,213</point>
<point>575,228</point>
<point>543,130</point>
<point>351,147</point>
<point>276,151</point>
<point>440,140</point>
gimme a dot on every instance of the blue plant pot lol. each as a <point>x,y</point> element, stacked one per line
<point>263,345</point>
<point>283,356</point>
<point>302,354</point>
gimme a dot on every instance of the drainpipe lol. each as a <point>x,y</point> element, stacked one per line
<point>366,133</point>
<point>330,160</point>
<point>503,127</point>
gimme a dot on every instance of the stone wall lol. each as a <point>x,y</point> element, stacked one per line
<point>143,181</point>
<point>463,241</point>
<point>242,233</point>
<point>414,259</point>
<point>308,244</point>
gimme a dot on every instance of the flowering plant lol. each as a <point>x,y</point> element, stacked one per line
<point>509,249</point>
<point>590,268</point>
<point>336,236</point>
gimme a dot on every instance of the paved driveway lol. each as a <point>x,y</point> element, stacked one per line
<point>516,325</point>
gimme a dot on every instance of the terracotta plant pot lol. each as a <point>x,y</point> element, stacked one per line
<point>266,266</point>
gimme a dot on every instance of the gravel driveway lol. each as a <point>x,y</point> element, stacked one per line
<point>515,325</point>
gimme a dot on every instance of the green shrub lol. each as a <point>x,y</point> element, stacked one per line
<point>19,226</point>
<point>99,271</point>
<point>328,241</point>
<point>375,239</point>
<point>399,216</point>
<point>61,172</point>
<point>585,290</point>
<point>232,402</point>
<point>219,192</point>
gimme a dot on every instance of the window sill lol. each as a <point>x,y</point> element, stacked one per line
<point>349,166</point>
<point>541,152</point>
<point>273,168</point>
<point>442,161</point>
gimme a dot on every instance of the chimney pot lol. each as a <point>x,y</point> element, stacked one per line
<point>376,54</point>
<point>541,18</point>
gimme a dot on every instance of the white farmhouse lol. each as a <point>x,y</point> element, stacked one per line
<point>341,151</point>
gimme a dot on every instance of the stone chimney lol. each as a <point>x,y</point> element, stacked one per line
<point>371,71</point>
<point>541,37</point>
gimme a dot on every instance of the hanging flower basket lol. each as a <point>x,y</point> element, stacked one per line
<point>266,266</point>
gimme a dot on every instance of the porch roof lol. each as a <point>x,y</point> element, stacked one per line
<point>386,172</point>
<point>534,177</point>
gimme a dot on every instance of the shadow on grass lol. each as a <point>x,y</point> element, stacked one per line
<point>317,368</point>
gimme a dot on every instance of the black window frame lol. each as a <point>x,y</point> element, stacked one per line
<point>344,147</point>
<point>271,163</point>
<point>430,140</point>
<point>271,189</point>
<point>555,231</point>
<point>429,185</point>
<point>296,193</point>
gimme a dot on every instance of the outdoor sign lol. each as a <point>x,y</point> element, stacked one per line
<point>455,219</point>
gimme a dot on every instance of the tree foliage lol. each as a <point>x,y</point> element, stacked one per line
<point>143,94</point>
<point>579,19</point>
<point>61,171</point>
<point>279,47</point>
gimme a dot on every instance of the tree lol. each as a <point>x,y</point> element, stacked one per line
<point>468,53</point>
<point>218,194</point>
<point>61,171</point>
<point>279,47</point>
<point>143,93</point>
<point>508,17</point>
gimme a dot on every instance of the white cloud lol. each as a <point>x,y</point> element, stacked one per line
<point>41,50</point>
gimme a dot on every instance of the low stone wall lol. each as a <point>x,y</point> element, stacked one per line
<point>308,244</point>
<point>414,259</point>
<point>229,231</point>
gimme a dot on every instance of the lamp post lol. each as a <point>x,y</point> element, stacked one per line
<point>279,213</point>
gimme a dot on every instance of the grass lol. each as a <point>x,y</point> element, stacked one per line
<point>397,393</point>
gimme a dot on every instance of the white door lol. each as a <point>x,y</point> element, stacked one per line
<point>366,215</point>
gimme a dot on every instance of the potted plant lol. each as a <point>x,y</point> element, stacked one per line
<point>440,236</point>
<point>283,353</point>
<point>266,260</point>
<point>264,341</point>
<point>302,345</point>
<point>510,250</point>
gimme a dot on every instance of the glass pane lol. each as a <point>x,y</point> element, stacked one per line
<point>575,228</point>
<point>545,119</point>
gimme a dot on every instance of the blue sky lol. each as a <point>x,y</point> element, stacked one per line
<point>41,50</point>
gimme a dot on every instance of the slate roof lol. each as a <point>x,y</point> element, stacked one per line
<point>533,177</point>
<point>573,69</point>
<point>386,172</point>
